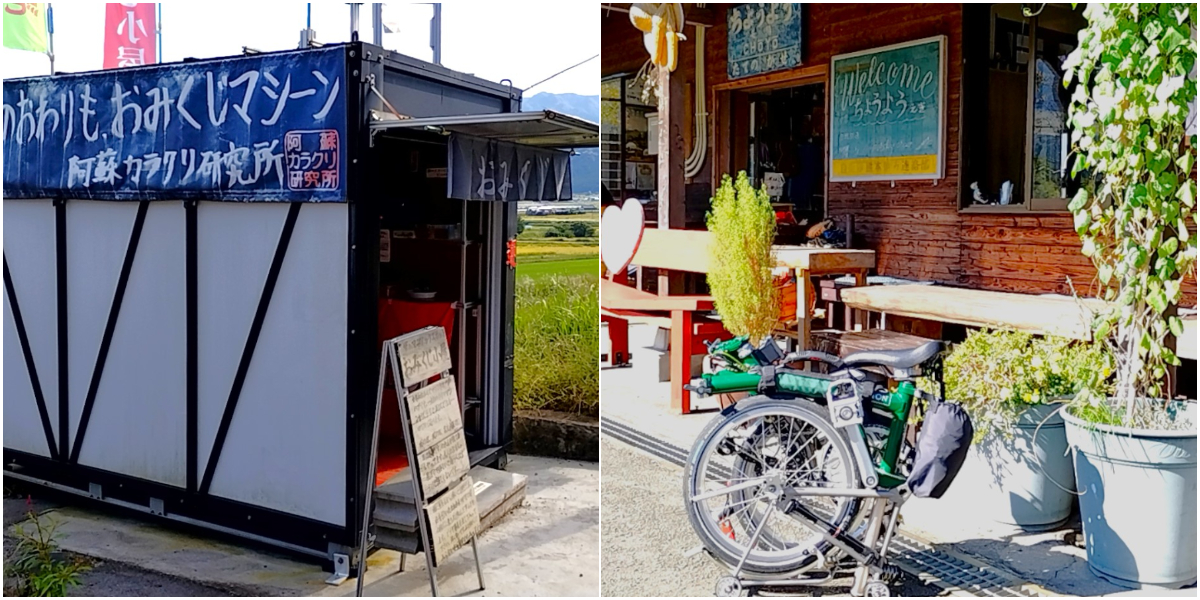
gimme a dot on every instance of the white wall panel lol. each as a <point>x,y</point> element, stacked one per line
<point>22,424</point>
<point>234,245</point>
<point>97,237</point>
<point>29,249</point>
<point>286,447</point>
<point>138,425</point>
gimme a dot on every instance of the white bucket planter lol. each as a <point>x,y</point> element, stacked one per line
<point>1138,502</point>
<point>1020,480</point>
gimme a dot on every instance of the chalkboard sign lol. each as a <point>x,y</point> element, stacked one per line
<point>269,127</point>
<point>763,37</point>
<point>886,117</point>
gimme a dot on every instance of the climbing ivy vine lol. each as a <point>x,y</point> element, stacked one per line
<point>1134,75</point>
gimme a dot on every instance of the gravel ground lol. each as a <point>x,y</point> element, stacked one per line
<point>109,579</point>
<point>645,534</point>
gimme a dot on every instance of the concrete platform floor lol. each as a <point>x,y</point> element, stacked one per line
<point>634,397</point>
<point>547,547</point>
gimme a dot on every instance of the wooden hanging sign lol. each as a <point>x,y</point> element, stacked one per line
<point>423,354</point>
<point>453,519</point>
<point>435,413</point>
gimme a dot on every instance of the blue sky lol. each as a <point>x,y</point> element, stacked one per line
<point>521,41</point>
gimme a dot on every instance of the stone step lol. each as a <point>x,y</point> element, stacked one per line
<point>496,492</point>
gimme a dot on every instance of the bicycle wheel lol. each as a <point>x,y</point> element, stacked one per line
<point>735,471</point>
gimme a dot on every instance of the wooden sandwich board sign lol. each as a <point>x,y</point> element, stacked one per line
<point>431,418</point>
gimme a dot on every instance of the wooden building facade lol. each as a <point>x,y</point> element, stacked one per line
<point>920,229</point>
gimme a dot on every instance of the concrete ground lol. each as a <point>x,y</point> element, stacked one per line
<point>1047,563</point>
<point>547,547</point>
<point>647,542</point>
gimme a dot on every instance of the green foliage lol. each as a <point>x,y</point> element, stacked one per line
<point>521,225</point>
<point>570,229</point>
<point>743,229</point>
<point>996,375</point>
<point>1128,118</point>
<point>34,568</point>
<point>557,325</point>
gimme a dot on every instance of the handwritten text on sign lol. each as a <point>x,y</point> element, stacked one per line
<point>763,37</point>
<point>434,413</point>
<point>453,519</point>
<point>442,464</point>
<point>886,114</point>
<point>269,127</point>
<point>423,354</point>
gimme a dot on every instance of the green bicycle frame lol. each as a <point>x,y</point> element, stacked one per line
<point>896,404</point>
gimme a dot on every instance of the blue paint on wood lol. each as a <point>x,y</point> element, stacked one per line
<point>763,37</point>
<point>257,128</point>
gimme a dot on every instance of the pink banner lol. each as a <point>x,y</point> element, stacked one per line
<point>129,35</point>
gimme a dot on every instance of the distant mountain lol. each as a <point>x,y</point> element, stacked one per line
<point>585,165</point>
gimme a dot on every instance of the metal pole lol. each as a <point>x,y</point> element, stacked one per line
<point>435,33</point>
<point>308,22</point>
<point>418,489</point>
<point>50,35</point>
<point>354,6</point>
<point>377,23</point>
<point>369,491</point>
<point>158,30</point>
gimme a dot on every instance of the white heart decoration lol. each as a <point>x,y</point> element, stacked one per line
<point>620,234</point>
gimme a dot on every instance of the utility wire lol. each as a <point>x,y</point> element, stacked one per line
<point>593,57</point>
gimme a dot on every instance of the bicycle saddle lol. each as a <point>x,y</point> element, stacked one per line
<point>895,359</point>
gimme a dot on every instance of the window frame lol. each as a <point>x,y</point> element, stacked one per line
<point>1043,206</point>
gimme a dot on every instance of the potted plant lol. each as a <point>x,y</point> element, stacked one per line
<point>1135,451</point>
<point>1012,383</point>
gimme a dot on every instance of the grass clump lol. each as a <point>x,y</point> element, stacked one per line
<point>557,343</point>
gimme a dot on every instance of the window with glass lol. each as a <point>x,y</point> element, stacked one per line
<point>1016,140</point>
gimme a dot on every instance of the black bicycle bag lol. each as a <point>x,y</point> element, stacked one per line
<point>941,449</point>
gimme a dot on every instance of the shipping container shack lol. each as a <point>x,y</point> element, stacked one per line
<point>764,98</point>
<point>201,260</point>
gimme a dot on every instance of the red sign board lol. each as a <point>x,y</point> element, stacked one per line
<point>129,35</point>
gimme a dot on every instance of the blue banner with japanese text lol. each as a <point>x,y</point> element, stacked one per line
<point>267,127</point>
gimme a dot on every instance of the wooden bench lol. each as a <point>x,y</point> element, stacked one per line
<point>665,250</point>
<point>1042,315</point>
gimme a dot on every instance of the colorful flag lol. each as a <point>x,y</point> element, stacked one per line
<point>25,26</point>
<point>129,34</point>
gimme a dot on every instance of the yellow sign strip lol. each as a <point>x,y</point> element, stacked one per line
<point>916,164</point>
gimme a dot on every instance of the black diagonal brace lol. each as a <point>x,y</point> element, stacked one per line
<point>29,364</point>
<point>105,342</point>
<point>239,378</point>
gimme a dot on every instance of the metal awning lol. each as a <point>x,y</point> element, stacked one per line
<point>543,128</point>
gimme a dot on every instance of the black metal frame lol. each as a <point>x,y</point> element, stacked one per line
<point>401,79</point>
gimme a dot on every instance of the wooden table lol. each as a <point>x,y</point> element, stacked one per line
<point>1042,315</point>
<point>808,262</point>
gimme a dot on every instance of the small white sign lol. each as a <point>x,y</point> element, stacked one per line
<point>774,183</point>
<point>385,246</point>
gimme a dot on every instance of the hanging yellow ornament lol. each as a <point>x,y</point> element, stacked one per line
<point>660,25</point>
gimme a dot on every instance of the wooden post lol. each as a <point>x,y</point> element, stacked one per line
<point>803,315</point>
<point>681,360</point>
<point>670,168</point>
<point>861,318</point>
